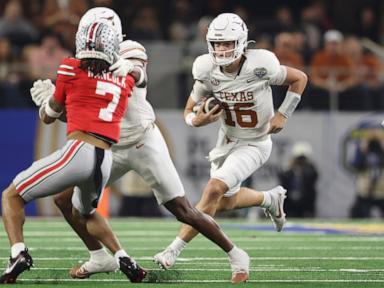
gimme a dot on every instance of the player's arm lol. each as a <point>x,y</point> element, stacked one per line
<point>199,118</point>
<point>122,67</point>
<point>296,80</point>
<point>139,73</point>
<point>51,111</point>
<point>41,92</point>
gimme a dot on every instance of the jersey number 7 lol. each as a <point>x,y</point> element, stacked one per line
<point>102,88</point>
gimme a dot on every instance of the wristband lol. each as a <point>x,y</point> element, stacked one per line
<point>189,118</point>
<point>50,112</point>
<point>289,104</point>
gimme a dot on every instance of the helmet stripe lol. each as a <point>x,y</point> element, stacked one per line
<point>91,37</point>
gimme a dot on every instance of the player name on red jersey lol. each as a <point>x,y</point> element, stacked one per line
<point>120,81</point>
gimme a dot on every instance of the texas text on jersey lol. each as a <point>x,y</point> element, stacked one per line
<point>92,102</point>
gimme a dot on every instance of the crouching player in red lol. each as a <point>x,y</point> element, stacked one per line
<point>93,101</point>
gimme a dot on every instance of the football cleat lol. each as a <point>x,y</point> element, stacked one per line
<point>90,267</point>
<point>240,266</point>
<point>167,258</point>
<point>276,210</point>
<point>132,270</point>
<point>16,266</point>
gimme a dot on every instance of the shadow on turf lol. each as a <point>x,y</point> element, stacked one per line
<point>156,276</point>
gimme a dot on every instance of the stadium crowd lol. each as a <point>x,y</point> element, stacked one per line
<point>342,61</point>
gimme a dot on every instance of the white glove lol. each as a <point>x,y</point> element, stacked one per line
<point>122,67</point>
<point>41,91</point>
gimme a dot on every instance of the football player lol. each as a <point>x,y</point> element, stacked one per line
<point>143,149</point>
<point>240,78</point>
<point>93,101</point>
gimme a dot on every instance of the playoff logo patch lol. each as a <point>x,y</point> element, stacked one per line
<point>260,72</point>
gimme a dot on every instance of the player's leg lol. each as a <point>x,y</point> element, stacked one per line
<point>153,163</point>
<point>84,201</point>
<point>100,260</point>
<point>39,180</point>
<point>208,204</point>
<point>13,218</point>
<point>63,202</point>
<point>199,220</point>
<point>226,172</point>
<point>271,200</point>
<point>196,222</point>
<point>13,214</point>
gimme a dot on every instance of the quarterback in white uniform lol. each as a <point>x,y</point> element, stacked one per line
<point>143,149</point>
<point>240,79</point>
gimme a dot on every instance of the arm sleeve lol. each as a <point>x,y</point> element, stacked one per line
<point>199,90</point>
<point>279,77</point>
<point>65,74</point>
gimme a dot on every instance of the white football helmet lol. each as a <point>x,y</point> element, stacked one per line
<point>97,40</point>
<point>227,27</point>
<point>102,14</point>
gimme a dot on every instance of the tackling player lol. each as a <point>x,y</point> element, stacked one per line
<point>143,149</point>
<point>93,102</point>
<point>240,78</point>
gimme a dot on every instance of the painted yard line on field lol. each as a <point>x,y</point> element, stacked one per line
<point>246,238</point>
<point>211,281</point>
<point>251,269</point>
<point>309,248</point>
<point>220,258</point>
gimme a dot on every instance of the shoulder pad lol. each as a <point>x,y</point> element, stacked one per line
<point>68,67</point>
<point>202,67</point>
<point>264,58</point>
<point>133,49</point>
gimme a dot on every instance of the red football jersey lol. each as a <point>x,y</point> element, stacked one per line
<point>94,104</point>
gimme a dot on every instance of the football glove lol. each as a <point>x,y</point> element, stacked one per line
<point>122,67</point>
<point>41,91</point>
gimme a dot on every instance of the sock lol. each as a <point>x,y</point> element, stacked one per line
<point>120,253</point>
<point>98,255</point>
<point>267,201</point>
<point>17,248</point>
<point>233,253</point>
<point>178,244</point>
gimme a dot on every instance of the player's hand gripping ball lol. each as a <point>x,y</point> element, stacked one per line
<point>210,103</point>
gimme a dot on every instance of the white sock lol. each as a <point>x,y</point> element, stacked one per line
<point>178,244</point>
<point>267,201</point>
<point>120,253</point>
<point>17,248</point>
<point>233,253</point>
<point>98,255</point>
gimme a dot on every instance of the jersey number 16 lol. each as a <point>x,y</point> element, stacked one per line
<point>240,115</point>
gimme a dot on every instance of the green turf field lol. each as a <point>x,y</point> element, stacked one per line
<point>305,255</point>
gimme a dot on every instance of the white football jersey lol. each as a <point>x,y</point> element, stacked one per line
<point>246,96</point>
<point>139,114</point>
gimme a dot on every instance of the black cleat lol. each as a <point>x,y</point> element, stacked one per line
<point>132,270</point>
<point>16,266</point>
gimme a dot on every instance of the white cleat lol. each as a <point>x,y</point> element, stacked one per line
<point>109,264</point>
<point>276,210</point>
<point>167,258</point>
<point>240,266</point>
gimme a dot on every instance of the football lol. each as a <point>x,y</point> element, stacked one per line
<point>210,103</point>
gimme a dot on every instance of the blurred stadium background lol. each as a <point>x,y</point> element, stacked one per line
<point>330,156</point>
